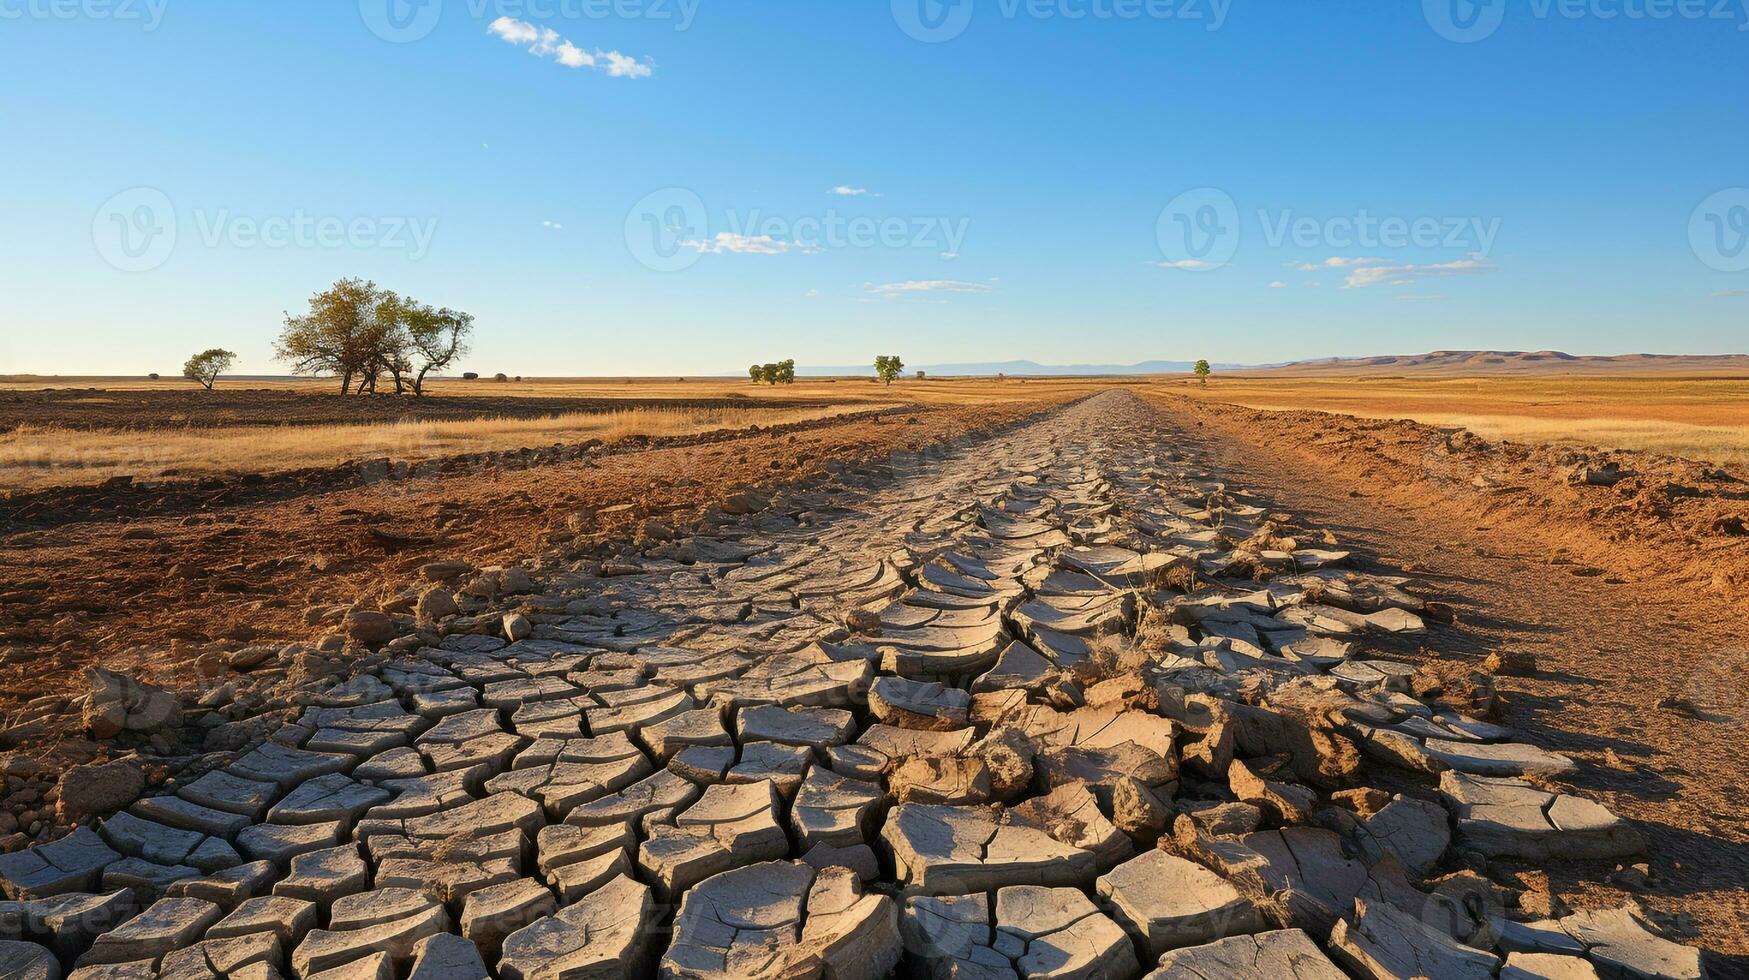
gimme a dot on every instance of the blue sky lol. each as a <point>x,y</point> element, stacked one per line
<point>659,186</point>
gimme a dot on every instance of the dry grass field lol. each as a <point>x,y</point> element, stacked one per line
<point>1704,418</point>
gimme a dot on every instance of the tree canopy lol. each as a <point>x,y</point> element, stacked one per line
<point>206,366</point>
<point>888,366</point>
<point>354,330</point>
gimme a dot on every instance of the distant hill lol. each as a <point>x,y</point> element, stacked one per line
<point>1024,369</point>
<point>1464,363</point>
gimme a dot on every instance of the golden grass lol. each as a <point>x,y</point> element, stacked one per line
<point>1701,418</point>
<point>33,457</point>
<point>932,391</point>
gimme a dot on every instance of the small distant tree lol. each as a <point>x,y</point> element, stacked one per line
<point>206,366</point>
<point>501,377</point>
<point>756,373</point>
<point>786,372</point>
<point>470,375</point>
<point>1203,371</point>
<point>153,376</point>
<point>768,373</point>
<point>887,367</point>
<point>920,375</point>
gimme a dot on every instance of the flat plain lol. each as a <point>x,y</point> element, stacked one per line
<point>939,678</point>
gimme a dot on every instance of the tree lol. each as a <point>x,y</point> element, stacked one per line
<point>768,373</point>
<point>1203,371</point>
<point>887,367</point>
<point>786,372</point>
<point>437,337</point>
<point>347,333</point>
<point>756,373</point>
<point>206,366</point>
<point>920,375</point>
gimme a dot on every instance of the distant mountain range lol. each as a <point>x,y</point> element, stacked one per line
<point>1452,363</point>
<point>1468,363</point>
<point>1022,369</point>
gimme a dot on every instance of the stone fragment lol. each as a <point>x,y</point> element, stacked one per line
<point>27,961</point>
<point>280,843</point>
<point>812,727</point>
<point>325,875</point>
<point>343,942</point>
<point>1546,966</point>
<point>942,850</point>
<point>1510,817</point>
<point>74,863</point>
<point>604,935</point>
<point>286,919</point>
<point>1619,943</point>
<point>327,798</point>
<point>496,911</point>
<point>1057,933</point>
<point>97,790</point>
<point>223,790</point>
<point>730,825</point>
<point>1291,804</point>
<point>116,703</point>
<point>170,923</point>
<point>1286,954</point>
<point>446,956</point>
<point>950,937</point>
<point>1383,942</point>
<point>1166,902</point>
<point>832,809</point>
<point>918,704</point>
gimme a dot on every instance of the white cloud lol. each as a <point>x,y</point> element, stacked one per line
<point>728,241</point>
<point>810,294</point>
<point>544,42</point>
<point>950,256</point>
<point>845,190</point>
<point>1188,265</point>
<point>913,286</point>
<point>1403,275</point>
<point>1278,284</point>
<point>554,225</point>
<point>1730,293</point>
<point>1336,262</point>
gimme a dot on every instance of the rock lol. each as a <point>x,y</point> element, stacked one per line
<point>1292,804</point>
<point>1546,966</point>
<point>1137,811</point>
<point>74,863</point>
<point>371,628</point>
<point>1287,954</point>
<point>27,961</point>
<point>1383,942</point>
<point>1166,902</point>
<point>1416,831</point>
<point>171,923</point>
<point>117,703</point>
<point>1510,817</point>
<point>436,605</point>
<point>97,790</point>
<point>1621,946</point>
<point>918,704</point>
<point>1057,933</point>
<point>447,957</point>
<point>605,934</point>
<point>943,850</point>
<point>517,627</point>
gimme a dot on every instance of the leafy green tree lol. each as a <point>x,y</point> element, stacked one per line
<point>206,366</point>
<point>756,372</point>
<point>887,367</point>
<point>786,372</point>
<point>346,334</point>
<point>768,373</point>
<point>1203,371</point>
<point>437,337</point>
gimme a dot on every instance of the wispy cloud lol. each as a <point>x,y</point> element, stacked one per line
<point>1730,293</point>
<point>728,241</point>
<point>950,256</point>
<point>1278,284</point>
<point>1336,262</point>
<point>1187,265</point>
<point>554,225</point>
<point>916,286</point>
<point>544,42</point>
<point>1403,275</point>
<point>845,190</point>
